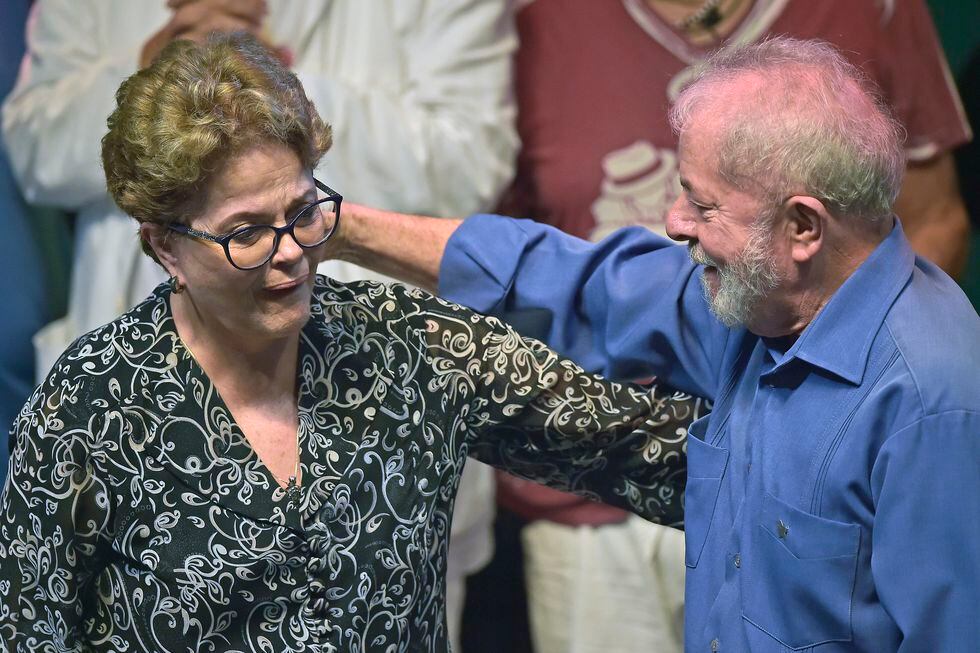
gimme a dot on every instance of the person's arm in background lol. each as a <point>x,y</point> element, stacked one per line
<point>54,119</point>
<point>440,142</point>
<point>444,143</point>
<point>193,20</point>
<point>908,63</point>
<point>933,214</point>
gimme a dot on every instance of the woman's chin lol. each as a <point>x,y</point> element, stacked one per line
<point>285,315</point>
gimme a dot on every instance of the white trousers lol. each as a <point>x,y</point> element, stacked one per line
<point>605,589</point>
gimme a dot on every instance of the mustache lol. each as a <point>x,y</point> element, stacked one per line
<point>699,256</point>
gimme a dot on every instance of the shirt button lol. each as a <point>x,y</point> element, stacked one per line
<point>715,645</point>
<point>738,560</point>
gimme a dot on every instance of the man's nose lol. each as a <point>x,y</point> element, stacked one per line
<point>680,224</point>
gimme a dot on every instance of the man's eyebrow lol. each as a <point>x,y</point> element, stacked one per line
<point>691,193</point>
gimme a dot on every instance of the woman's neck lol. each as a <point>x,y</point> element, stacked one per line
<point>244,370</point>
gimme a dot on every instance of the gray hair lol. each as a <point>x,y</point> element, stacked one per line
<point>817,125</point>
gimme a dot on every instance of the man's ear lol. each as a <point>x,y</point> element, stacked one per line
<point>158,238</point>
<point>806,221</point>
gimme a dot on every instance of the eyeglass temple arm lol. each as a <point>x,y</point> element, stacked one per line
<point>184,229</point>
<point>326,189</point>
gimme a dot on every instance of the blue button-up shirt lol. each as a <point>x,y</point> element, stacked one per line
<point>833,496</point>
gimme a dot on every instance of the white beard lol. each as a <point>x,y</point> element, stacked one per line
<point>743,283</point>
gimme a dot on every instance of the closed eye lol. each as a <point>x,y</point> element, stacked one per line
<point>703,209</point>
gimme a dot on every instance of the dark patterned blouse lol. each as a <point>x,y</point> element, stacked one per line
<point>136,516</point>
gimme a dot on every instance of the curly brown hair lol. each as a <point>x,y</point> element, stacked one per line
<point>180,119</point>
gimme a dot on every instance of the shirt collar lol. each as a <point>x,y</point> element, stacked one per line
<point>839,339</point>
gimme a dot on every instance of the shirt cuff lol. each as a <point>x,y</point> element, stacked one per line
<point>480,261</point>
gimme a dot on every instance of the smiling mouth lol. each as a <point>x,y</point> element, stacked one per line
<point>700,257</point>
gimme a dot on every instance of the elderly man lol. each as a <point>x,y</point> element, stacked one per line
<point>833,496</point>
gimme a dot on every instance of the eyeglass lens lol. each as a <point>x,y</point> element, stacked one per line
<point>253,246</point>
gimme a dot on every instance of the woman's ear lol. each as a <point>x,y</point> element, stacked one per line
<point>158,238</point>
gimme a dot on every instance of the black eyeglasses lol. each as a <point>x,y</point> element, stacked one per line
<point>253,246</point>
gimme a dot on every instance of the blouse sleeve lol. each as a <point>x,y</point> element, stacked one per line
<point>535,414</point>
<point>53,513</point>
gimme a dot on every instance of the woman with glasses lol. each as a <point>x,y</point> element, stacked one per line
<point>259,459</point>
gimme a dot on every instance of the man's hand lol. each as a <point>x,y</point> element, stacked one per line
<point>195,19</point>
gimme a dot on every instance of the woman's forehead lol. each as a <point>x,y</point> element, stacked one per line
<point>260,179</point>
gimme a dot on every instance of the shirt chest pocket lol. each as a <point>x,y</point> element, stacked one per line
<point>705,470</point>
<point>798,577</point>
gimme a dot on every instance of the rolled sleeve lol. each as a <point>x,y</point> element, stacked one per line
<point>628,307</point>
